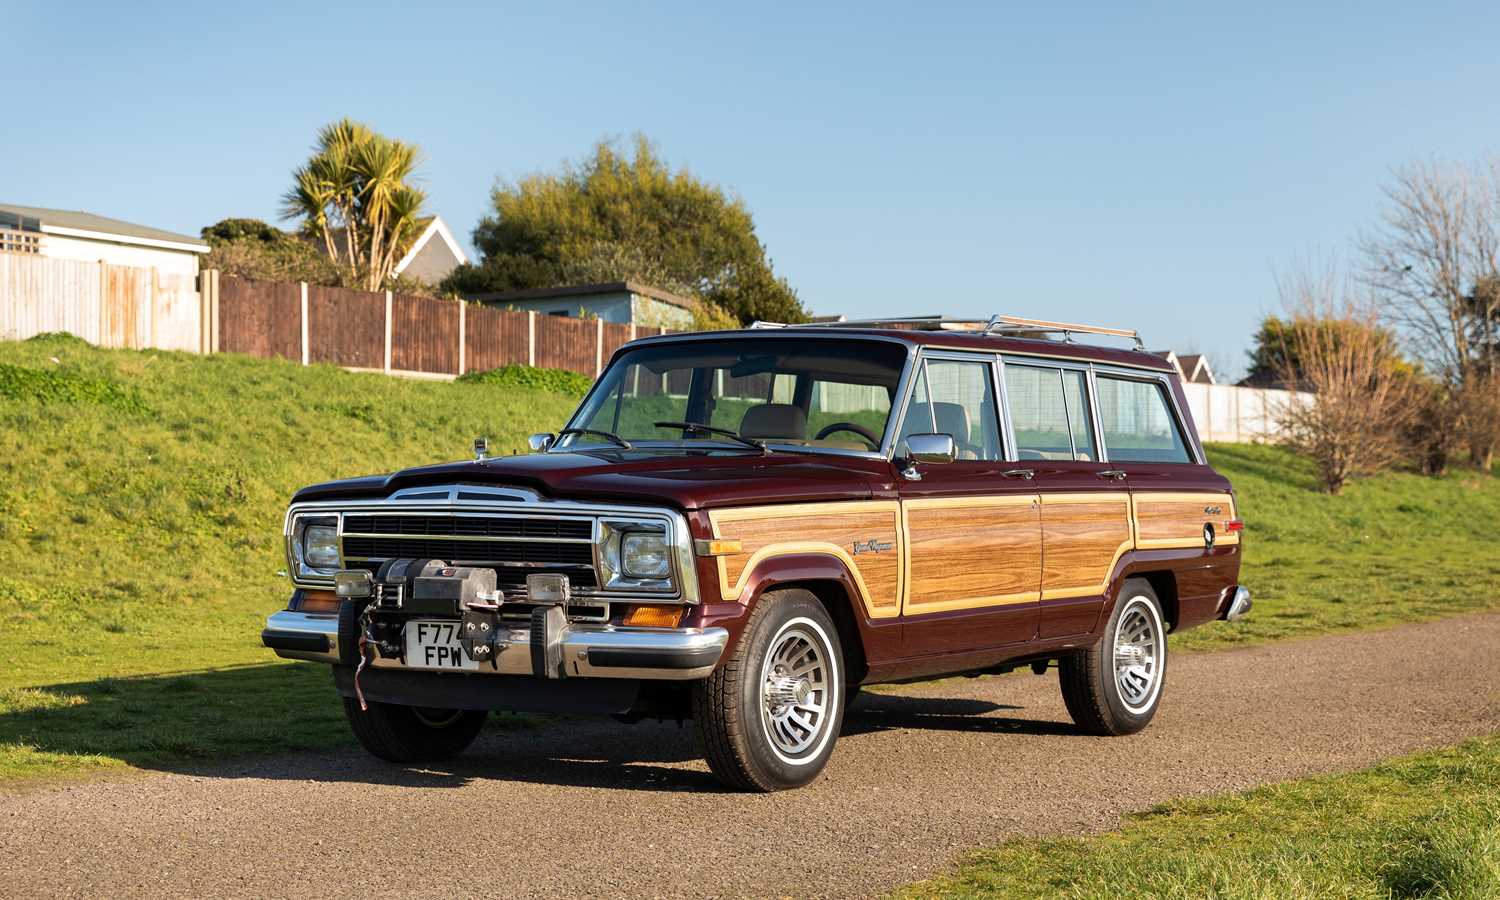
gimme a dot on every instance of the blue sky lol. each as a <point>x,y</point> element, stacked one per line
<point>1147,167</point>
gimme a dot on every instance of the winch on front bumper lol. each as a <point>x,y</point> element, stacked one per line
<point>379,609</point>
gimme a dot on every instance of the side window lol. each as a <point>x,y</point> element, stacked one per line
<point>1049,413</point>
<point>955,397</point>
<point>1138,422</point>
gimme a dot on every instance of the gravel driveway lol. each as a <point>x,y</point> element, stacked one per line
<point>589,807</point>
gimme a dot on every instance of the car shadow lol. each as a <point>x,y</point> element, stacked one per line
<point>279,721</point>
<point>873,712</point>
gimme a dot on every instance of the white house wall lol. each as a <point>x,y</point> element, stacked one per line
<point>168,262</point>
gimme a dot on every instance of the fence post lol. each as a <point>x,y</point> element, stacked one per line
<point>213,325</point>
<point>305,354</point>
<point>205,314</point>
<point>461,318</point>
<point>388,304</point>
<point>598,346</point>
<point>632,327</point>
<point>531,338</point>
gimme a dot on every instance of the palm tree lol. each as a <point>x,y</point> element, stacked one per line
<point>355,197</point>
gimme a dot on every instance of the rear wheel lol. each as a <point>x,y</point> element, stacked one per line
<point>1115,687</point>
<point>769,716</point>
<point>407,734</point>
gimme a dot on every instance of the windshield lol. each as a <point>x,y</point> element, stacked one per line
<point>811,393</point>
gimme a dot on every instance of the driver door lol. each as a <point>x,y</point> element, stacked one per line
<point>973,532</point>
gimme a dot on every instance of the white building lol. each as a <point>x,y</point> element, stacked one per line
<point>83,236</point>
<point>112,283</point>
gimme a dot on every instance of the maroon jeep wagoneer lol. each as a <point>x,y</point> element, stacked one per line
<point>744,527</point>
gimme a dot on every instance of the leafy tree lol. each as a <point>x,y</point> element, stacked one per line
<point>612,217</point>
<point>1276,356</point>
<point>354,197</point>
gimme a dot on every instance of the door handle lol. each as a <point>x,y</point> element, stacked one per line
<point>1116,474</point>
<point>1027,474</point>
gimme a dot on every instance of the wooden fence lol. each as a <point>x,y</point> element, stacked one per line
<point>108,305</point>
<point>400,333</point>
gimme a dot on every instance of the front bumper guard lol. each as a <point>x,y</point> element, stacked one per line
<point>587,650</point>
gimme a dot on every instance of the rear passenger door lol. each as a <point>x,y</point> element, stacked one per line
<point>1085,503</point>
<point>973,534</point>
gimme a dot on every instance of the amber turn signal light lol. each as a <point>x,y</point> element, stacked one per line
<point>716,547</point>
<point>654,616</point>
<point>319,601</point>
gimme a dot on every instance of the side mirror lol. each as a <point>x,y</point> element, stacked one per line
<point>932,449</point>
<point>539,443</point>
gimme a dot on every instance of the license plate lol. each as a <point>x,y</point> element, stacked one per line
<point>432,644</point>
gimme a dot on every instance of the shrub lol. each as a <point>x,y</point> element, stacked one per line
<point>1361,395</point>
<point>558,381</point>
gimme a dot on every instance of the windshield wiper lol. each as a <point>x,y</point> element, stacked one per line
<point>709,429</point>
<point>607,435</point>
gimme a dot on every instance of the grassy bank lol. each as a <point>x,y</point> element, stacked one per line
<point>141,497</point>
<point>1424,826</point>
<point>1398,548</point>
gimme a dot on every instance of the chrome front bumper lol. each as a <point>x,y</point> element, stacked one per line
<point>588,651</point>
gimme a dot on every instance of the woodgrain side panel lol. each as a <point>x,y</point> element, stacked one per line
<point>831,528</point>
<point>1083,535</point>
<point>972,552</point>
<point>1168,520</point>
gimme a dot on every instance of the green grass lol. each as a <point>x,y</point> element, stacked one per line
<point>1397,548</point>
<point>141,498</point>
<point>1423,826</point>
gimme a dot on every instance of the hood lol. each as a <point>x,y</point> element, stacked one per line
<point>687,482</point>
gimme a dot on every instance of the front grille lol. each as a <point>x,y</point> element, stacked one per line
<point>486,552</point>
<point>470,526</point>
<point>513,545</point>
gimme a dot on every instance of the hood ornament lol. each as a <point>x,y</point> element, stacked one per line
<point>481,447</point>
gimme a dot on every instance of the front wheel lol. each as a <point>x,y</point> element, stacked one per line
<point>768,717</point>
<point>1115,686</point>
<point>408,734</point>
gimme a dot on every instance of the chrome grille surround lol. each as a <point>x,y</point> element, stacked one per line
<point>512,530</point>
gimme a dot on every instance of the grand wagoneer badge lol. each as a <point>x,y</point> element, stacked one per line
<point>870,546</point>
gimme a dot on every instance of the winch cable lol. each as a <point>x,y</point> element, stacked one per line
<point>364,659</point>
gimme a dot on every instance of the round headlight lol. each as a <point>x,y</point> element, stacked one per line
<point>320,546</point>
<point>644,554</point>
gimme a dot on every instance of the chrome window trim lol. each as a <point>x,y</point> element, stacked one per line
<point>1163,380</point>
<point>684,589</point>
<point>987,358</point>
<point>1007,427</point>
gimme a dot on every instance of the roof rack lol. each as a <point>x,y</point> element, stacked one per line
<point>1010,326</point>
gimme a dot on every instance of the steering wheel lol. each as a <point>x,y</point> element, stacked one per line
<point>860,430</point>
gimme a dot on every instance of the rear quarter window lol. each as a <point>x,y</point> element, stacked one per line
<point>1138,422</point>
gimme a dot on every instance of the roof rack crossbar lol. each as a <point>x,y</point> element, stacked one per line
<point>998,325</point>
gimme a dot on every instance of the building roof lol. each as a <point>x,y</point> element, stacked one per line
<point>432,226</point>
<point>1193,367</point>
<point>76,223</point>
<point>583,290</point>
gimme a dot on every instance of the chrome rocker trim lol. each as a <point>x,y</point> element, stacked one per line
<point>588,651</point>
